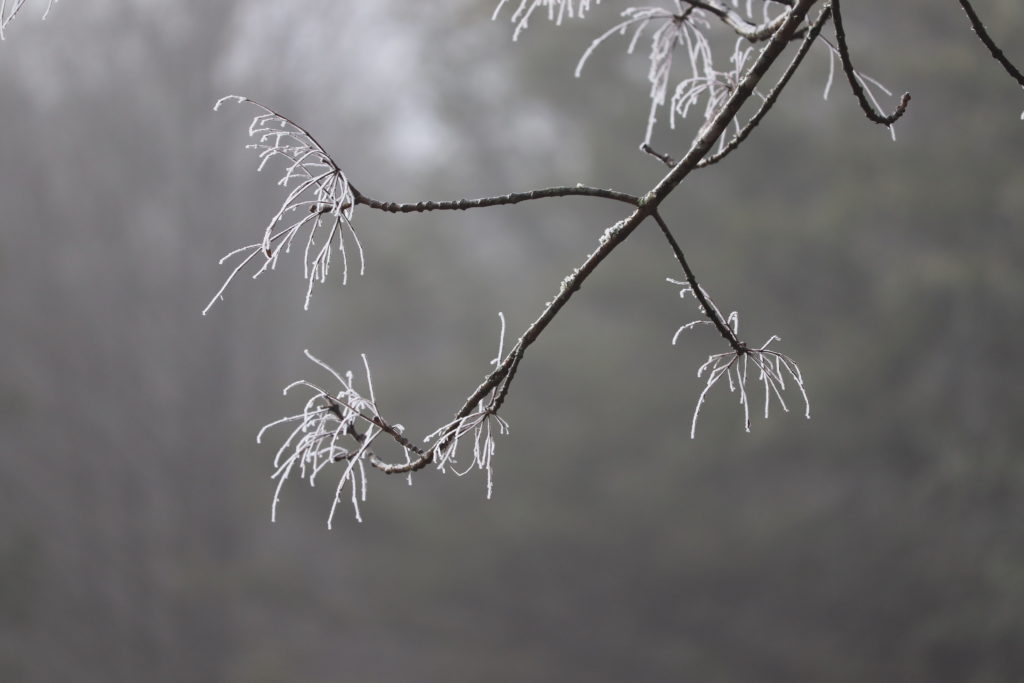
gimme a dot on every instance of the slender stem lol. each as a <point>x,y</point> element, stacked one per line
<point>499,200</point>
<point>752,32</point>
<point>334,406</point>
<point>502,392</point>
<point>851,76</point>
<point>663,158</point>
<point>710,310</point>
<point>979,28</point>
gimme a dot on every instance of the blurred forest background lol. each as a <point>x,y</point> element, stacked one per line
<point>883,540</point>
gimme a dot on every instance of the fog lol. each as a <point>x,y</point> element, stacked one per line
<point>880,540</point>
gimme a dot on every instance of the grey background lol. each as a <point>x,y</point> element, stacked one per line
<point>882,540</point>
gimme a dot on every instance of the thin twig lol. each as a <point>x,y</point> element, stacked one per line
<point>499,200</point>
<point>752,32</point>
<point>334,407</point>
<point>711,311</point>
<point>983,36</point>
<point>851,76</point>
<point>663,158</point>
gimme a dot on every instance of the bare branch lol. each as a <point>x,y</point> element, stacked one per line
<point>984,37</point>
<point>743,28</point>
<point>663,158</point>
<point>498,200</point>
<point>706,306</point>
<point>855,80</point>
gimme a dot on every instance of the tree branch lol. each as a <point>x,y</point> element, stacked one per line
<point>752,32</point>
<point>618,232</point>
<point>334,405</point>
<point>984,37</point>
<point>855,85</point>
<point>710,310</point>
<point>499,200</point>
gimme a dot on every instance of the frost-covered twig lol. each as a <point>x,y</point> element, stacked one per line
<point>328,430</point>
<point>732,364</point>
<point>476,418</point>
<point>772,366</point>
<point>683,28</point>
<point>557,10</point>
<point>686,27</point>
<point>319,200</point>
<point>773,95</point>
<point>715,86</point>
<point>707,307</point>
<point>744,28</point>
<point>482,423</point>
<point>9,10</point>
<point>620,231</point>
<point>510,199</point>
<point>341,426</point>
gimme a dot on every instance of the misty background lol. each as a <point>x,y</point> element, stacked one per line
<point>881,540</point>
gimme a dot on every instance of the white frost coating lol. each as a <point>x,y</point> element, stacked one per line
<point>482,424</point>
<point>685,28</point>
<point>688,326</point>
<point>328,419</point>
<point>319,202</point>
<point>9,10</point>
<point>670,35</point>
<point>557,11</point>
<point>773,367</point>
<point>229,98</point>
<point>315,441</point>
<point>501,341</point>
<point>610,232</point>
<point>831,74</point>
<point>567,281</point>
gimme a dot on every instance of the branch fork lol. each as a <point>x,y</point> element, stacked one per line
<point>344,426</point>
